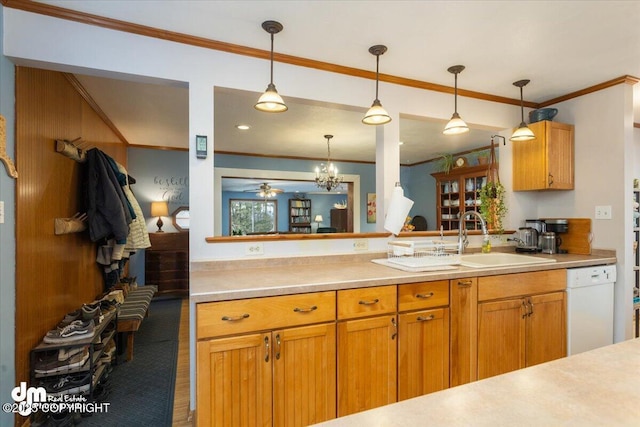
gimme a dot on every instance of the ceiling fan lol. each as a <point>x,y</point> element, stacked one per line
<point>266,191</point>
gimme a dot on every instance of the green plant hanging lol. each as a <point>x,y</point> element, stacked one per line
<point>492,204</point>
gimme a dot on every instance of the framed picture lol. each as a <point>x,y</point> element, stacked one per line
<point>371,208</point>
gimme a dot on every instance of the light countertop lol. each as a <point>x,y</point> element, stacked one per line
<point>596,388</point>
<point>229,280</point>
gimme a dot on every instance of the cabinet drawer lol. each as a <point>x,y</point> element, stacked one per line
<point>233,317</point>
<point>520,284</point>
<point>416,296</point>
<point>354,303</point>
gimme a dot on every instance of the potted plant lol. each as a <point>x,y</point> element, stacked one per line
<point>492,205</point>
<point>445,164</point>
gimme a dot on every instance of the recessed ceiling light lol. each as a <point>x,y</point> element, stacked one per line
<point>242,127</point>
<point>400,143</point>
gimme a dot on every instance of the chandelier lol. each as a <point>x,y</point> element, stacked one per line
<point>327,174</point>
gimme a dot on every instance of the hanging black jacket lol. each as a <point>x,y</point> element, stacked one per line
<point>104,200</point>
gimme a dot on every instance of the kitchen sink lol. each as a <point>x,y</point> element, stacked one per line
<point>501,259</point>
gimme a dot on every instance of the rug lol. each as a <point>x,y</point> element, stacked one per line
<point>141,390</point>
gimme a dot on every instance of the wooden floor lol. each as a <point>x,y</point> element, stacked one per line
<point>181,415</point>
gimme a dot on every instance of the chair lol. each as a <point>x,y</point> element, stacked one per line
<point>327,230</point>
<point>419,222</point>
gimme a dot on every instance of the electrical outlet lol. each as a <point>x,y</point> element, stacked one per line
<point>361,245</point>
<point>254,249</point>
<point>603,212</point>
<point>1,212</point>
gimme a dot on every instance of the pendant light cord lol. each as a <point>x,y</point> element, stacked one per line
<point>521,106</point>
<point>377,74</point>
<point>455,95</point>
<point>271,58</point>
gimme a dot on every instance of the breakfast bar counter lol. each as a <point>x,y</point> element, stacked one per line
<point>595,388</point>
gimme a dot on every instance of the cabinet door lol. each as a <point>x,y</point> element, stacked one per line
<point>546,328</point>
<point>423,352</point>
<point>234,381</point>
<point>545,162</point>
<point>560,155</point>
<point>304,369</point>
<point>464,327</point>
<point>367,369</point>
<point>501,337</point>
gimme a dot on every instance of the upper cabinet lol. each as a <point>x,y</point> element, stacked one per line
<point>546,162</point>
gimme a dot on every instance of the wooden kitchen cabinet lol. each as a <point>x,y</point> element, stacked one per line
<point>546,162</point>
<point>463,354</point>
<point>257,366</point>
<point>234,382</point>
<point>458,191</point>
<point>524,328</point>
<point>367,350</point>
<point>423,352</point>
<point>423,338</point>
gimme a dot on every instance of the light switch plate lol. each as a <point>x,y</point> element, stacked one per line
<point>1,212</point>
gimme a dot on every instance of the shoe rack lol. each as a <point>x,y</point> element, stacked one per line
<point>103,334</point>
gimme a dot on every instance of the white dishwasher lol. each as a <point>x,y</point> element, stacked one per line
<point>589,308</point>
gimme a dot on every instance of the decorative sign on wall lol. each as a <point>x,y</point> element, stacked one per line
<point>172,189</point>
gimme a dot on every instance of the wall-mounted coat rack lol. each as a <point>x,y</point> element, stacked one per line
<point>75,224</point>
<point>4,157</point>
<point>71,150</point>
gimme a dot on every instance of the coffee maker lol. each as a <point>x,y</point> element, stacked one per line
<point>557,226</point>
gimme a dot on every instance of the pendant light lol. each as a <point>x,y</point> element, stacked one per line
<point>376,115</point>
<point>523,133</point>
<point>270,101</point>
<point>456,125</point>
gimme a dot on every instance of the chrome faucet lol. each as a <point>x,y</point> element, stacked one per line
<point>462,232</point>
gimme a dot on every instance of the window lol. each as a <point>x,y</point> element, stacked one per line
<point>252,216</point>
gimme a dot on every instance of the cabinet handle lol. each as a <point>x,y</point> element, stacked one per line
<point>424,296</point>
<point>424,319</point>
<point>305,310</point>
<point>465,283</point>
<point>550,180</point>
<point>266,349</point>
<point>525,309</point>
<point>395,328</point>
<point>235,318</point>
<point>370,302</point>
<point>278,346</point>
<point>530,307</point>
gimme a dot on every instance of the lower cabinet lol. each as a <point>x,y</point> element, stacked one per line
<point>367,348</point>
<point>302,359</point>
<point>304,375</point>
<point>234,381</point>
<point>366,363</point>
<point>284,377</point>
<point>522,331</point>
<point>423,352</point>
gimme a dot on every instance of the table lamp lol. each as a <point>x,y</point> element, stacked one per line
<point>159,209</point>
<point>318,220</point>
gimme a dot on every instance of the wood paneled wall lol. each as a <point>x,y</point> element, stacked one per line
<point>54,274</point>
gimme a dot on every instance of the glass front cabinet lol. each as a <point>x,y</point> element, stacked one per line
<point>458,191</point>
